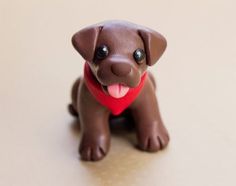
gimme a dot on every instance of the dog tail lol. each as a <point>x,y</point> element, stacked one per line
<point>72,111</point>
<point>72,108</point>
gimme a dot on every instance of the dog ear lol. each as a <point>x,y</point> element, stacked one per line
<point>154,43</point>
<point>84,41</point>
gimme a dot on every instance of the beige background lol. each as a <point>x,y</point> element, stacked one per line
<point>196,79</point>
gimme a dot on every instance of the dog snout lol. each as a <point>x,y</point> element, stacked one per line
<point>120,69</point>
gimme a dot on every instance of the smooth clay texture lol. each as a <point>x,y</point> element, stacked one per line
<point>196,80</point>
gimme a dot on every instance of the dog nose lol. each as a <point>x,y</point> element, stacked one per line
<point>120,69</point>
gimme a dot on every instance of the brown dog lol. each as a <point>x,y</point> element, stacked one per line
<point>117,55</point>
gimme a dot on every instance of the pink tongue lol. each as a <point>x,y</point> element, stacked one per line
<point>117,90</point>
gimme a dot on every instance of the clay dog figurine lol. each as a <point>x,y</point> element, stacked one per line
<point>117,55</point>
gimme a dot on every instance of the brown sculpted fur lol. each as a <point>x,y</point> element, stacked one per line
<point>118,54</point>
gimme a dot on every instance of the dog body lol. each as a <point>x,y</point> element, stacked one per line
<point>117,55</point>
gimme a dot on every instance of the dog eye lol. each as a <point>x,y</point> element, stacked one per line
<point>139,55</point>
<point>101,52</point>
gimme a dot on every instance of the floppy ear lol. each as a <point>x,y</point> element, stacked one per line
<point>85,41</point>
<point>154,43</point>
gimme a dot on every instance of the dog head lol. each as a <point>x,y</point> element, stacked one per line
<point>119,52</point>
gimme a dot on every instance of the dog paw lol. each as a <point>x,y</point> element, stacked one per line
<point>94,149</point>
<point>153,139</point>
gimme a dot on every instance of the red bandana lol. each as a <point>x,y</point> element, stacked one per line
<point>115,105</point>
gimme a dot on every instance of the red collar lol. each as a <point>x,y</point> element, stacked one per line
<point>115,105</point>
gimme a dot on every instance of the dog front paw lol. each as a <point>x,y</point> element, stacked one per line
<point>94,148</point>
<point>153,138</point>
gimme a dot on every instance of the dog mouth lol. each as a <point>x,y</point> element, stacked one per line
<point>117,90</point>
